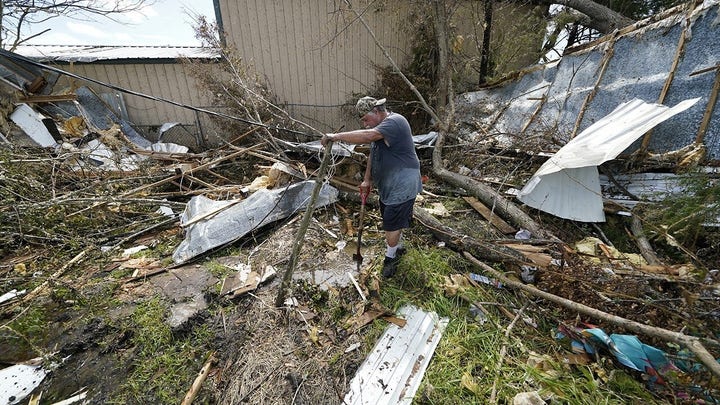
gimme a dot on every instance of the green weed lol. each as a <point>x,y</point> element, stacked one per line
<point>164,365</point>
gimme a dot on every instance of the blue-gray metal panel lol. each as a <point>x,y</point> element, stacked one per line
<point>576,76</point>
<point>702,50</point>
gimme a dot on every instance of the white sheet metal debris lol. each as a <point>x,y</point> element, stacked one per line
<point>12,294</point>
<point>31,123</point>
<point>92,53</point>
<point>338,148</point>
<point>654,187</point>
<point>18,381</point>
<point>168,147</point>
<point>241,217</point>
<point>568,184</point>
<point>646,186</point>
<point>392,373</point>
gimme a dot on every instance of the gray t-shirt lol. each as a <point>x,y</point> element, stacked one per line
<point>395,166</point>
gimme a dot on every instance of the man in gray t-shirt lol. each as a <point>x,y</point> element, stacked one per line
<point>393,166</point>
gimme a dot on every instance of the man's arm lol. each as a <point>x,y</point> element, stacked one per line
<point>360,136</point>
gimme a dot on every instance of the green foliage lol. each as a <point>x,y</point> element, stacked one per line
<point>680,218</point>
<point>639,9</point>
<point>30,327</point>
<point>421,271</point>
<point>514,45</point>
<point>218,270</point>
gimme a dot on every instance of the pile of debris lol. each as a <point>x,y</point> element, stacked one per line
<point>94,212</point>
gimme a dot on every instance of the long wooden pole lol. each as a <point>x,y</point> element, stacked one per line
<point>300,236</point>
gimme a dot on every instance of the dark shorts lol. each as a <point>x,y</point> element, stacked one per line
<point>398,216</point>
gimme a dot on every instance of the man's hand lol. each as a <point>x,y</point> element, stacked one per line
<point>365,187</point>
<point>327,138</point>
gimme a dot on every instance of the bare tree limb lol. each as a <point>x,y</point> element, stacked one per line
<point>17,14</point>
<point>503,352</point>
<point>691,342</point>
<point>414,89</point>
<point>300,236</point>
<point>643,244</point>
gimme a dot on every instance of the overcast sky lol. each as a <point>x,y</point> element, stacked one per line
<point>167,22</point>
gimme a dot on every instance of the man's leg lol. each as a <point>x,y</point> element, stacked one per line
<point>395,217</point>
<point>392,238</point>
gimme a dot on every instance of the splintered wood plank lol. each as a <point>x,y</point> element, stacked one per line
<point>497,222</point>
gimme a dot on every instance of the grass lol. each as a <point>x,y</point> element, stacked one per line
<point>466,364</point>
<point>163,365</point>
<point>26,332</point>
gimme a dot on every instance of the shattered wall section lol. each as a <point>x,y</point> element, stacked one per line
<point>587,84</point>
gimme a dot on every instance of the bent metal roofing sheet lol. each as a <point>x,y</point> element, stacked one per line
<point>567,185</point>
<point>665,59</point>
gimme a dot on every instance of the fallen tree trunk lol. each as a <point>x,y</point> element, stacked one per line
<point>504,207</point>
<point>488,251</point>
<point>499,204</point>
<point>691,342</point>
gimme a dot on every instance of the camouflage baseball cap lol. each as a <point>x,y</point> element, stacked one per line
<point>366,104</point>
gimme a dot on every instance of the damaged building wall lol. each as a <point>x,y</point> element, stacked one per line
<point>557,101</point>
<point>313,62</point>
<point>153,71</point>
<point>315,54</point>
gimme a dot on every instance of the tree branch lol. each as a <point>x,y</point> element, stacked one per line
<point>691,342</point>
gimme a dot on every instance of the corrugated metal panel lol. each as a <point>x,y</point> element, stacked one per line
<point>168,81</point>
<point>567,185</point>
<point>392,372</point>
<point>314,54</point>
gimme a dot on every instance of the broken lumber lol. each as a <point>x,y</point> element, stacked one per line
<point>691,342</point>
<point>39,289</point>
<point>202,375</point>
<point>488,214</point>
